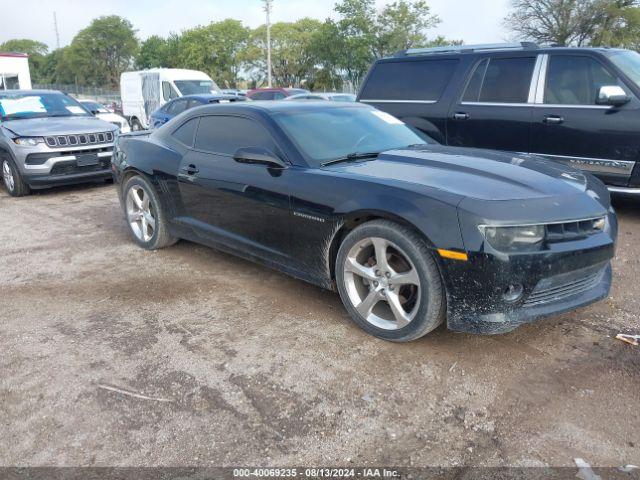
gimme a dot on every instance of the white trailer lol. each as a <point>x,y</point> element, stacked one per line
<point>143,92</point>
<point>14,71</point>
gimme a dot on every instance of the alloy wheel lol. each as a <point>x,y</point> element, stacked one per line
<point>140,213</point>
<point>7,176</point>
<point>382,283</point>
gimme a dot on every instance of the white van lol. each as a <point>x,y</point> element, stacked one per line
<point>145,91</point>
<point>14,71</point>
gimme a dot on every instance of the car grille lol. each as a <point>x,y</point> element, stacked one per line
<point>60,141</point>
<point>41,158</point>
<point>71,167</point>
<point>567,231</point>
<point>564,286</point>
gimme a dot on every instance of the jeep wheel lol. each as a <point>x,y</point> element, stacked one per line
<point>12,179</point>
<point>389,282</point>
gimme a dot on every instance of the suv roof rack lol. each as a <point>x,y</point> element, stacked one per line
<point>467,48</point>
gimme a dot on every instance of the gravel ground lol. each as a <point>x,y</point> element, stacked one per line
<point>230,363</point>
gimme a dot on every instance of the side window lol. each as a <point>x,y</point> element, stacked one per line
<point>185,132</point>
<point>507,80</point>
<point>575,80</point>
<point>423,80</point>
<point>193,103</point>
<point>278,95</point>
<point>179,106</point>
<point>262,96</point>
<point>168,92</point>
<point>226,134</point>
<point>472,93</point>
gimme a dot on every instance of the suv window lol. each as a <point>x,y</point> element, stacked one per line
<point>423,80</point>
<point>575,80</point>
<point>184,133</point>
<point>262,96</point>
<point>501,80</point>
<point>226,134</point>
<point>168,92</point>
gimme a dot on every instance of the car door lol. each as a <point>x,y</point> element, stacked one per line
<point>568,126</point>
<point>241,205</point>
<point>494,110</point>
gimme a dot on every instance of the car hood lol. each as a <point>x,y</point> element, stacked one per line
<point>41,127</point>
<point>473,173</point>
<point>111,117</point>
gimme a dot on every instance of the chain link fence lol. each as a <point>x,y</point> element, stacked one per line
<point>102,95</point>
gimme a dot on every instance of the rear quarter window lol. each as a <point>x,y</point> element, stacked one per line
<point>423,80</point>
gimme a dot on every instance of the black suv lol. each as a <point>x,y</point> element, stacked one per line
<point>574,105</point>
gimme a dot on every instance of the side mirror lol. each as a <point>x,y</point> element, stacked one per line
<point>613,95</point>
<point>258,155</point>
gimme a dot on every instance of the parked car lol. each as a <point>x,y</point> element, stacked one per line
<point>234,91</point>
<point>103,113</point>
<point>179,105</point>
<point>346,196</point>
<point>330,96</point>
<point>47,138</point>
<point>143,92</point>
<point>578,106</point>
<point>274,93</point>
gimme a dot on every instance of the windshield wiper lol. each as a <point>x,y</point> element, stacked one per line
<point>352,157</point>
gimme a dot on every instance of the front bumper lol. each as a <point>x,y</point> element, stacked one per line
<point>566,276</point>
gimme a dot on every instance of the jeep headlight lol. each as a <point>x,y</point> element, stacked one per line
<point>28,141</point>
<point>514,238</point>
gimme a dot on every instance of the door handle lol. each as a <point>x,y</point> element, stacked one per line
<point>190,169</point>
<point>461,116</point>
<point>553,120</point>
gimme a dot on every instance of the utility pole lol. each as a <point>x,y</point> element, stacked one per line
<point>55,28</point>
<point>267,8</point>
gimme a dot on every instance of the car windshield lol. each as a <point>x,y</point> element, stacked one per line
<point>334,133</point>
<point>193,87</point>
<point>95,107</point>
<point>14,106</point>
<point>629,63</point>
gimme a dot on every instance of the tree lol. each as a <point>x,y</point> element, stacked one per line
<point>37,52</point>
<point>99,53</point>
<point>292,59</point>
<point>214,49</point>
<point>153,53</point>
<point>574,22</point>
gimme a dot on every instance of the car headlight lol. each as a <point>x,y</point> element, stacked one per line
<point>28,141</point>
<point>514,238</point>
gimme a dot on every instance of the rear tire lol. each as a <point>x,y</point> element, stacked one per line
<point>389,281</point>
<point>11,177</point>
<point>136,126</point>
<point>144,214</point>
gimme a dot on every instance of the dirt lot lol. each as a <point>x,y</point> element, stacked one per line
<point>242,365</point>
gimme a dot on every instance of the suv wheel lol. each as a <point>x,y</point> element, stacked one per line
<point>12,179</point>
<point>389,281</point>
<point>144,214</point>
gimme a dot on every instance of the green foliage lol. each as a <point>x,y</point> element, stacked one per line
<point>102,51</point>
<point>153,53</point>
<point>37,52</point>
<point>576,22</point>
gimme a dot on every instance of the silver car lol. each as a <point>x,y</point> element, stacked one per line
<point>47,138</point>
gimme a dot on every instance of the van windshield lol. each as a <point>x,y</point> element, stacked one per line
<point>192,87</point>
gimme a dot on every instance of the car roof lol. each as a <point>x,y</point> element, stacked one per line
<point>269,107</point>
<point>29,92</point>
<point>204,96</point>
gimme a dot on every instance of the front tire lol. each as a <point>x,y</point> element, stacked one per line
<point>12,179</point>
<point>145,217</point>
<point>389,281</point>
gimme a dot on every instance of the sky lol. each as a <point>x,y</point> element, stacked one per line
<point>474,21</point>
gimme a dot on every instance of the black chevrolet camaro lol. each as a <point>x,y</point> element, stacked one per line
<point>410,233</point>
